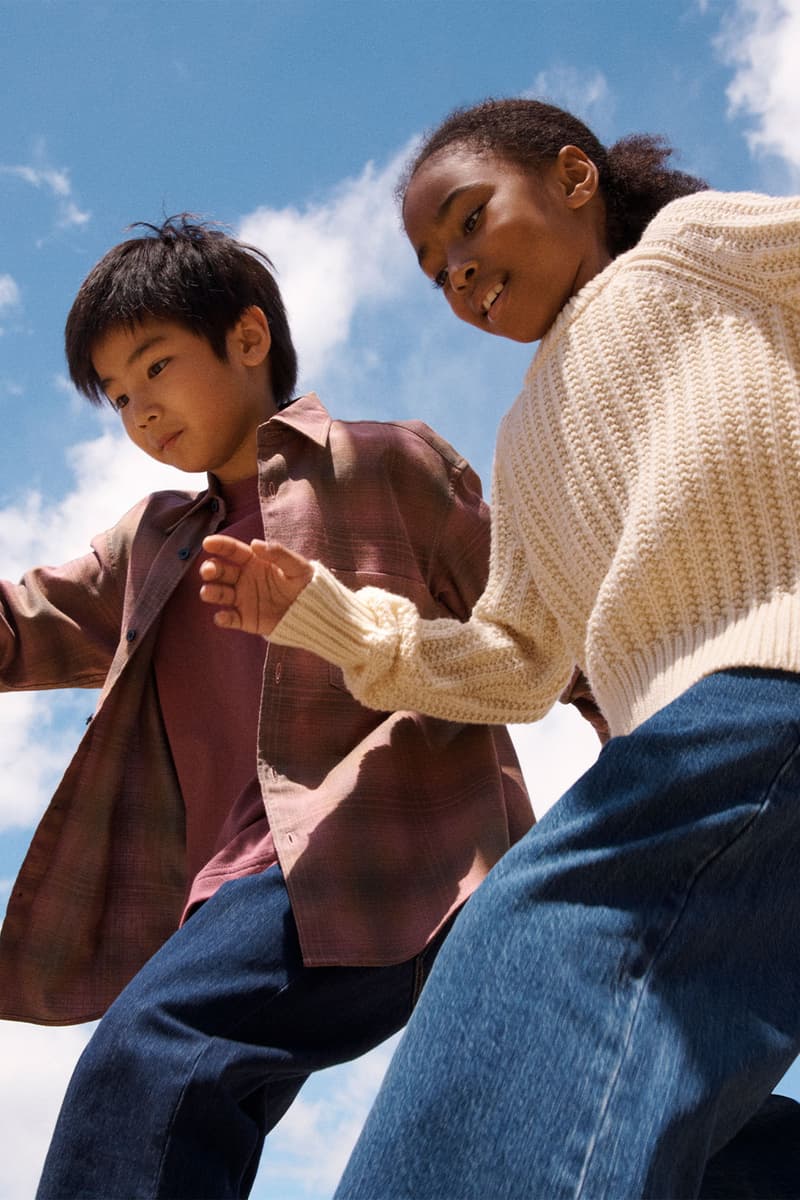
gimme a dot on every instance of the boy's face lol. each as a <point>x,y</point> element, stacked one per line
<point>180,403</point>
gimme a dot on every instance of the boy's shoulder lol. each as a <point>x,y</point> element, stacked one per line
<point>149,523</point>
<point>413,438</point>
<point>407,447</point>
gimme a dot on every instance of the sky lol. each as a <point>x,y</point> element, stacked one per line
<point>289,121</point>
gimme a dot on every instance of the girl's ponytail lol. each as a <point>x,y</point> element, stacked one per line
<point>637,182</point>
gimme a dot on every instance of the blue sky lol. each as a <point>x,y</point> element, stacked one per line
<point>288,120</point>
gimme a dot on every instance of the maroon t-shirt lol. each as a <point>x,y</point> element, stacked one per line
<point>209,685</point>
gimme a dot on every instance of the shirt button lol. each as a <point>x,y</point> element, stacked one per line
<point>215,505</point>
<point>184,552</point>
<point>130,636</point>
<point>278,672</point>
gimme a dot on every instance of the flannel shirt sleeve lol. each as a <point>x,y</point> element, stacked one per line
<point>59,626</point>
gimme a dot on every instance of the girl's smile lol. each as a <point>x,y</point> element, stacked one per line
<point>508,246</point>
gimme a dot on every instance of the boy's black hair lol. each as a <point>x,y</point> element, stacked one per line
<point>187,271</point>
<point>635,179</point>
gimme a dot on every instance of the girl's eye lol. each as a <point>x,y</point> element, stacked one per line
<point>472,219</point>
<point>119,403</point>
<point>156,368</point>
<point>440,280</point>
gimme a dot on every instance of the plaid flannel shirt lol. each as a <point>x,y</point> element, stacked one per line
<point>383,823</point>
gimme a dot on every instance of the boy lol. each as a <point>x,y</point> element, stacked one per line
<point>313,852</point>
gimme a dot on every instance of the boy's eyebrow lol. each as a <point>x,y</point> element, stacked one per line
<point>137,353</point>
<point>442,211</point>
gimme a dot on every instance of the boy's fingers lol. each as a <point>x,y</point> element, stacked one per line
<point>228,618</point>
<point>217,593</point>
<point>214,569</point>
<point>219,544</point>
<point>292,565</point>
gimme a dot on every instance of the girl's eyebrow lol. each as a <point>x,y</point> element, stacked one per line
<point>442,211</point>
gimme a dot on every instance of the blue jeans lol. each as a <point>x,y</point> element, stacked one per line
<point>208,1046</point>
<point>623,992</point>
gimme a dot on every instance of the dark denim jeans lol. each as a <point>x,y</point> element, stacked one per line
<point>623,992</point>
<point>206,1049</point>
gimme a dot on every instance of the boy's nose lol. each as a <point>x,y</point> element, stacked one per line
<point>144,412</point>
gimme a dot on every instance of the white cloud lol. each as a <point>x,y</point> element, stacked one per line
<point>308,1150</point>
<point>35,1065</point>
<point>761,39</point>
<point>581,91</point>
<point>333,257</point>
<point>9,292</point>
<point>33,755</point>
<point>56,181</point>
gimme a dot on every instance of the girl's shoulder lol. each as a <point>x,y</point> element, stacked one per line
<point>729,218</point>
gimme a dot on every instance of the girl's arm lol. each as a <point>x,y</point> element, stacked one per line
<point>506,664</point>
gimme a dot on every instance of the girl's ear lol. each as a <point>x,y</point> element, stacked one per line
<point>578,176</point>
<point>251,336</point>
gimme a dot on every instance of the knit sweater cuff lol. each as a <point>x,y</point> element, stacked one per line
<point>330,620</point>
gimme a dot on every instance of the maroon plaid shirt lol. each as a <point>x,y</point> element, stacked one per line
<point>383,823</point>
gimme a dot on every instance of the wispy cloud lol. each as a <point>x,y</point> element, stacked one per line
<point>10,297</point>
<point>9,293</point>
<point>308,1151</point>
<point>333,257</point>
<point>584,92</point>
<point>53,180</point>
<point>761,40</point>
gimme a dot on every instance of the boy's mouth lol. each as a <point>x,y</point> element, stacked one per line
<point>167,442</point>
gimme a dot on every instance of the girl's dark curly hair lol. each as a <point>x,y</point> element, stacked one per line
<point>635,178</point>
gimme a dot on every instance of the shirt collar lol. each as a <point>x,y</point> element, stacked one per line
<point>306,415</point>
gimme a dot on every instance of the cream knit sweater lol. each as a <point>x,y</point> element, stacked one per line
<point>646,494</point>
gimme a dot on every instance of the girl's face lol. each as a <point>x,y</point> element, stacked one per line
<point>508,247</point>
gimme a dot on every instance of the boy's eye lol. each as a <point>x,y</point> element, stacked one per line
<point>440,279</point>
<point>156,368</point>
<point>119,403</point>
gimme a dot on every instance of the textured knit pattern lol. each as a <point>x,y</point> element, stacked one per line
<point>646,495</point>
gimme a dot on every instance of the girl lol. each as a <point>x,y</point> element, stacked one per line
<point>619,996</point>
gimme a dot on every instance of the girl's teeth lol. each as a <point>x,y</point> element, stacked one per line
<point>491,296</point>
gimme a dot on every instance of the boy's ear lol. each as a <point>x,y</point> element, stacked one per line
<point>578,175</point>
<point>251,336</point>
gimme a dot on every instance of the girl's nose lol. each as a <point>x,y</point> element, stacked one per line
<point>461,274</point>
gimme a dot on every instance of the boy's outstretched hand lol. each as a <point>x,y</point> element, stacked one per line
<point>253,585</point>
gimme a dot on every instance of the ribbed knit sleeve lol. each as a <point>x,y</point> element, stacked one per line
<point>506,664</point>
